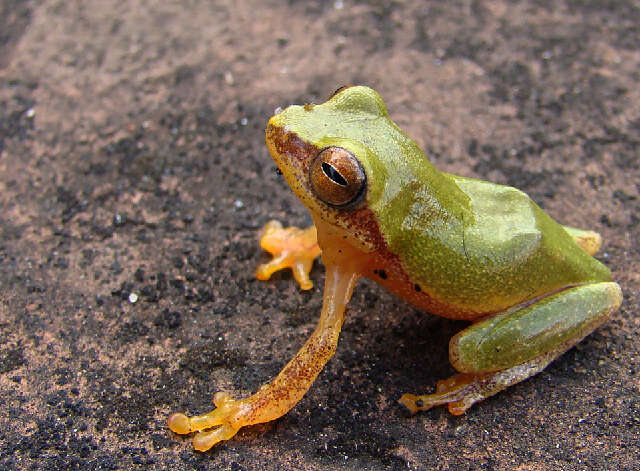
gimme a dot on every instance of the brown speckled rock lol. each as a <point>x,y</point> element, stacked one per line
<point>134,180</point>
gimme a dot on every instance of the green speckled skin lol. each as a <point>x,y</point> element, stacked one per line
<point>490,250</point>
<point>519,334</point>
<point>475,247</point>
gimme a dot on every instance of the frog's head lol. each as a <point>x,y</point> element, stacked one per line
<point>338,158</point>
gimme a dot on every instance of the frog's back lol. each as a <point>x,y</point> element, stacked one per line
<point>494,249</point>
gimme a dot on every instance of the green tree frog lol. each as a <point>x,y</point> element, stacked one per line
<point>453,246</point>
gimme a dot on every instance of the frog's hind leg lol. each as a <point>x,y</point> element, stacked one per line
<point>463,390</point>
<point>589,241</point>
<point>514,345</point>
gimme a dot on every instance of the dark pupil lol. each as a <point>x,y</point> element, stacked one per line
<point>333,174</point>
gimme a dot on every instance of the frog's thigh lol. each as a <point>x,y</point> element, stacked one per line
<point>516,336</point>
<point>515,345</point>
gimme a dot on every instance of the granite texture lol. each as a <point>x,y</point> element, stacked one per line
<point>134,180</point>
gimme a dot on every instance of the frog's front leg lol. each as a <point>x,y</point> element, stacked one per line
<point>514,345</point>
<point>291,247</point>
<point>277,397</point>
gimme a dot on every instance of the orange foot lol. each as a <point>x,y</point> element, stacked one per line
<point>458,393</point>
<point>291,247</point>
<point>227,418</point>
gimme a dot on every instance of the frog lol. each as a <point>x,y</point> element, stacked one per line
<point>452,246</point>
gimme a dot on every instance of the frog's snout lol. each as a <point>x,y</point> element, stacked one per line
<point>287,148</point>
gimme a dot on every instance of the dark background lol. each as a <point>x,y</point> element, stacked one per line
<point>132,160</point>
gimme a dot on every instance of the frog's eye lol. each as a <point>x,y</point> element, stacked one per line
<point>336,177</point>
